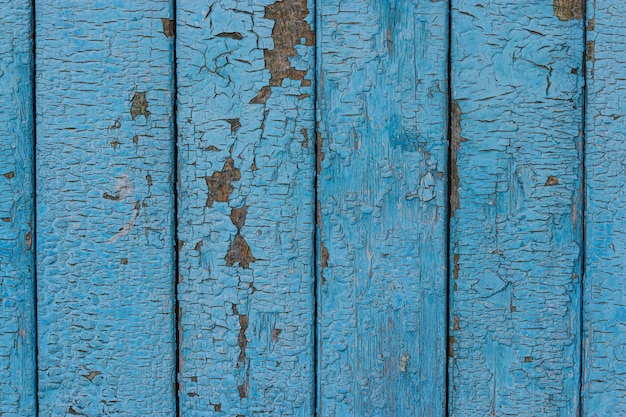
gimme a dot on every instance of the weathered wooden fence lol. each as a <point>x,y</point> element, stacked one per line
<point>298,208</point>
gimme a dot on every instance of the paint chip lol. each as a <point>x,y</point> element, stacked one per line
<point>552,180</point>
<point>455,146</point>
<point>168,27</point>
<point>219,184</point>
<point>568,9</point>
<point>232,35</point>
<point>139,105</point>
<point>239,252</point>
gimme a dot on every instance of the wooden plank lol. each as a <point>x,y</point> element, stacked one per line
<point>382,207</point>
<point>246,207</point>
<point>105,146</point>
<point>516,207</point>
<point>604,311</point>
<point>17,305</point>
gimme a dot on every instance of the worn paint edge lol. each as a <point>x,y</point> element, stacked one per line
<point>566,10</point>
<point>583,209</point>
<point>448,232</point>
<point>34,234</point>
<point>455,145</point>
<point>169,30</point>
<point>317,215</point>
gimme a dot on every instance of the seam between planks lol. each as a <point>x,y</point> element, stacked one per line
<point>583,211</point>
<point>448,211</point>
<point>34,234</point>
<point>316,235</point>
<point>177,315</point>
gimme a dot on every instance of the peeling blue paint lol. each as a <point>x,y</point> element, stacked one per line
<point>246,207</point>
<point>17,306</point>
<point>337,205</point>
<point>516,234</point>
<point>382,210</point>
<point>105,208</point>
<point>604,292</point>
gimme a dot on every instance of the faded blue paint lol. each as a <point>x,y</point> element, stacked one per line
<point>516,228</point>
<point>604,347</point>
<point>17,318</point>
<point>382,207</point>
<point>246,207</point>
<point>105,208</point>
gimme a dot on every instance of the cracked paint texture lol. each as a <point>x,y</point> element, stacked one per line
<point>382,211</point>
<point>246,207</point>
<point>17,321</point>
<point>604,340</point>
<point>105,208</point>
<point>516,237</point>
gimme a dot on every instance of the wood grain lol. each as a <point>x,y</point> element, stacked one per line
<point>17,290</point>
<point>382,155</point>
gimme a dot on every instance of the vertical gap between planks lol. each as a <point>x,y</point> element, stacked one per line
<point>316,226</point>
<point>448,234</point>
<point>177,315</point>
<point>583,209</point>
<point>33,86</point>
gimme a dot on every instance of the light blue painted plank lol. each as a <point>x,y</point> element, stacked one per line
<point>17,318</point>
<point>604,311</point>
<point>105,209</point>
<point>516,207</point>
<point>246,207</point>
<point>382,212</point>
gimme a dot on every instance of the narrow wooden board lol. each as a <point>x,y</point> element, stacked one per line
<point>604,313</point>
<point>382,212</point>
<point>17,291</point>
<point>105,244</point>
<point>246,207</point>
<point>516,240</point>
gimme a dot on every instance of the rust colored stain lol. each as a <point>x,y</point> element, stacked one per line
<point>591,51</point>
<point>239,251</point>
<point>238,216</point>
<point>455,145</point>
<point>319,144</point>
<point>263,95</point>
<point>219,184</point>
<point>552,180</point>
<point>568,9</point>
<point>232,35</point>
<point>168,27</point>
<point>324,257</point>
<point>234,124</point>
<point>290,29</point>
<point>139,105</point>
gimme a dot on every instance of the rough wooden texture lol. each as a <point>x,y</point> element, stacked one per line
<point>105,208</point>
<point>17,322</point>
<point>516,234</point>
<point>246,207</point>
<point>604,360</point>
<point>382,155</point>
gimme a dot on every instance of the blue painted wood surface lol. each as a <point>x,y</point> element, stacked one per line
<point>604,359</point>
<point>246,207</point>
<point>516,241</point>
<point>382,156</point>
<point>247,214</point>
<point>105,208</point>
<point>17,307</point>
